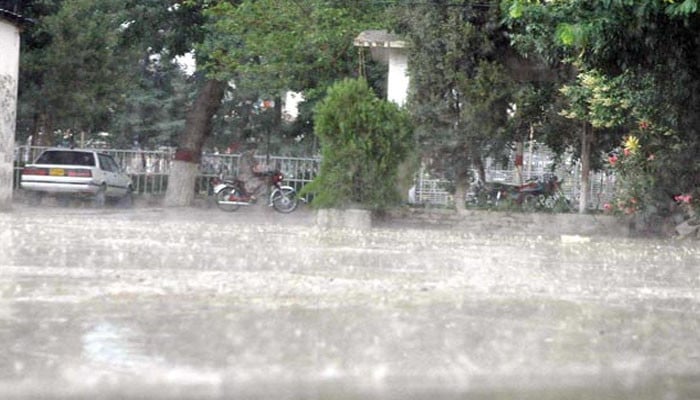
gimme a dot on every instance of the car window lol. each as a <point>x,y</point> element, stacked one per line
<point>107,163</point>
<point>115,167</point>
<point>61,157</point>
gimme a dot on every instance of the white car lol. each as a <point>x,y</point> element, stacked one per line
<point>69,172</point>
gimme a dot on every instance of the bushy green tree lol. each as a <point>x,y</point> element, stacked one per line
<point>637,61</point>
<point>363,140</point>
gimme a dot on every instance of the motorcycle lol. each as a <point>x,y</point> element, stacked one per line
<point>231,194</point>
<point>534,194</point>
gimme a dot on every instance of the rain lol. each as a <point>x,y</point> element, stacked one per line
<point>195,303</point>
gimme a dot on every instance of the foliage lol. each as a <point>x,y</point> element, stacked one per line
<point>153,112</point>
<point>635,172</point>
<point>74,78</point>
<point>268,47</point>
<point>92,66</point>
<point>649,178</point>
<point>459,90</point>
<point>637,77</point>
<point>363,140</point>
<point>131,87</point>
<point>596,99</point>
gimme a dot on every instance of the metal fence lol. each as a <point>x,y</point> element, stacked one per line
<point>428,190</point>
<point>149,171</point>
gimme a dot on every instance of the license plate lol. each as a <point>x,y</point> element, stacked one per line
<point>57,172</point>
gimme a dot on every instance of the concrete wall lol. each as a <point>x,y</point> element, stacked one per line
<point>9,71</point>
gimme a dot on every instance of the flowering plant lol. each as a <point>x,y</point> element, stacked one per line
<point>634,177</point>
<point>647,177</point>
<point>685,203</point>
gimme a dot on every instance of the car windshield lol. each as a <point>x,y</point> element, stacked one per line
<point>66,158</point>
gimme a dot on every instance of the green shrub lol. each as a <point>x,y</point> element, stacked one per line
<point>363,141</point>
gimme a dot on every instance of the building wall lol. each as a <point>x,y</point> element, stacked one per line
<point>9,71</point>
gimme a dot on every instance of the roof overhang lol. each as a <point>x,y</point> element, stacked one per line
<point>15,19</point>
<point>379,39</point>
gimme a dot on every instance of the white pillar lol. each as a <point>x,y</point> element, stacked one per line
<point>9,71</point>
<point>397,85</point>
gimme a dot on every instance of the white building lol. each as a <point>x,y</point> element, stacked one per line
<point>10,28</point>
<point>389,49</point>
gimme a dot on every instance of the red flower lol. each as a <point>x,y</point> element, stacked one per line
<point>612,159</point>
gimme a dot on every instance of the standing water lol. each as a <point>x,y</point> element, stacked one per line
<point>176,304</point>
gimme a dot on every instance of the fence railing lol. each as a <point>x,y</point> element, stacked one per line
<point>431,191</point>
<point>149,171</point>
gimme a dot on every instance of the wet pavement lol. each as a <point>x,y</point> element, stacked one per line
<point>196,303</point>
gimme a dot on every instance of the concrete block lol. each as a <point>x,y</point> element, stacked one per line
<point>347,219</point>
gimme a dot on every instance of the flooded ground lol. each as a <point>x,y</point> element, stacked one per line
<point>196,303</point>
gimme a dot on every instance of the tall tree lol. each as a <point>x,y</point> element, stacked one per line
<point>460,88</point>
<point>270,45</point>
<point>73,69</point>
<point>154,106</point>
<point>174,28</point>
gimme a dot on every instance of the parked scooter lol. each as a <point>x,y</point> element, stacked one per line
<point>231,194</point>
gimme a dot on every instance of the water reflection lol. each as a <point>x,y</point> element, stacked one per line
<point>110,346</point>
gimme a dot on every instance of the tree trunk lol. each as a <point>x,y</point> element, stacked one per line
<point>43,130</point>
<point>185,165</point>
<point>519,160</point>
<point>586,139</point>
<point>462,159</point>
<point>479,163</point>
<point>461,188</point>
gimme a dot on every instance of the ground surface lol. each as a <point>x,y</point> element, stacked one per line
<point>196,303</point>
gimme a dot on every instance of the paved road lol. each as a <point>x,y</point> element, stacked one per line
<point>196,303</point>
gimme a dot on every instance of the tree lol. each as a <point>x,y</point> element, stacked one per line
<point>259,41</point>
<point>270,47</point>
<point>154,104</point>
<point>650,50</point>
<point>175,28</point>
<point>73,70</point>
<point>363,140</point>
<point>460,88</point>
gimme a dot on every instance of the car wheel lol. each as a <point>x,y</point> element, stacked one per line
<point>127,201</point>
<point>63,200</point>
<point>100,198</point>
<point>34,198</point>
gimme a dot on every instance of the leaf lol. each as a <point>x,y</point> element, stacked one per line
<point>566,34</point>
<point>516,10</point>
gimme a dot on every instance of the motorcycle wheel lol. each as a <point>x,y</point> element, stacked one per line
<point>529,203</point>
<point>285,200</point>
<point>224,195</point>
